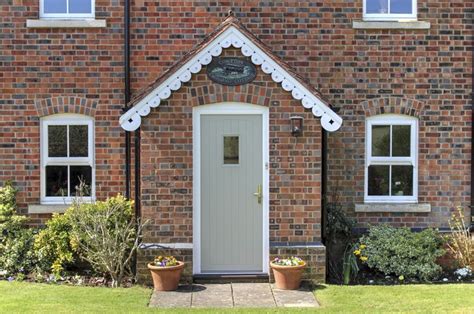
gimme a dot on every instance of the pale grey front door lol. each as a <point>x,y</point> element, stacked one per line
<point>231,173</point>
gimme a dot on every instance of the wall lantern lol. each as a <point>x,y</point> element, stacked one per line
<point>296,125</point>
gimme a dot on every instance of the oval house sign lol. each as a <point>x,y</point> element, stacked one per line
<point>231,71</point>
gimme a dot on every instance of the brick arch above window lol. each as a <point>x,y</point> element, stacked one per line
<point>251,94</point>
<point>392,105</point>
<point>66,104</point>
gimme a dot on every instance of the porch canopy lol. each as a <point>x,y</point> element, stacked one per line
<point>230,33</point>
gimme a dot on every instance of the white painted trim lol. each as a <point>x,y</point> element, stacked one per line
<point>330,121</point>
<point>65,119</point>
<point>391,119</point>
<point>225,109</point>
<point>66,23</point>
<point>67,15</point>
<point>390,16</point>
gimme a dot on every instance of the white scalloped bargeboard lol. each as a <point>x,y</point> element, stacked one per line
<point>330,121</point>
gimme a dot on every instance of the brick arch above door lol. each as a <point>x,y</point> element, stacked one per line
<point>251,94</point>
<point>392,105</point>
<point>65,104</point>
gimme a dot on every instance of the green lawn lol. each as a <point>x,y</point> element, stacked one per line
<point>41,298</point>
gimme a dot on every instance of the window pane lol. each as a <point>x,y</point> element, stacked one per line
<point>380,140</point>
<point>57,141</point>
<point>377,6</point>
<point>401,6</point>
<point>402,180</point>
<point>80,6</point>
<point>231,150</point>
<point>81,180</point>
<point>78,145</point>
<point>378,180</point>
<point>401,140</point>
<point>55,6</point>
<point>56,181</point>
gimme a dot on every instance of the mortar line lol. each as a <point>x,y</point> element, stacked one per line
<point>232,294</point>
<point>273,295</point>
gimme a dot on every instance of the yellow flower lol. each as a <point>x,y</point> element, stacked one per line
<point>357,252</point>
<point>362,246</point>
<point>363,258</point>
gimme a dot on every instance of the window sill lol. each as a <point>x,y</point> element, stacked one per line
<point>47,209</point>
<point>392,208</point>
<point>72,23</point>
<point>391,25</point>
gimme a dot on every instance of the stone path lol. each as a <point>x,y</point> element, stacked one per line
<point>255,295</point>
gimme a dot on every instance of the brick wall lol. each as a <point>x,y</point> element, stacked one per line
<point>48,71</point>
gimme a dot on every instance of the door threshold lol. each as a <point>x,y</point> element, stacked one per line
<point>229,278</point>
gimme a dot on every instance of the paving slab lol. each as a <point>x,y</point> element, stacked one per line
<point>244,295</point>
<point>212,295</point>
<point>170,299</point>
<point>253,295</point>
<point>294,298</point>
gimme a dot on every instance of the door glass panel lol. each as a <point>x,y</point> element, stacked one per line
<point>400,6</point>
<point>231,150</point>
<point>80,6</point>
<point>55,6</point>
<point>378,180</point>
<point>56,181</point>
<point>380,140</point>
<point>377,6</point>
<point>78,144</point>
<point>401,140</point>
<point>402,180</point>
<point>57,141</point>
<point>81,180</point>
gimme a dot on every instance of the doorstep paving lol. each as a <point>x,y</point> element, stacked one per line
<point>255,295</point>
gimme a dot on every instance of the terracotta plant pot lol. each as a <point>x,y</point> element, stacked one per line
<point>166,278</point>
<point>287,277</point>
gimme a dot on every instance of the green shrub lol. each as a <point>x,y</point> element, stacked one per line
<point>53,245</point>
<point>16,239</point>
<point>401,252</point>
<point>106,235</point>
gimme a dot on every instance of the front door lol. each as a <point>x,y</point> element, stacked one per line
<point>231,181</point>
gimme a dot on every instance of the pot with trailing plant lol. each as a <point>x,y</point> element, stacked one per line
<point>288,272</point>
<point>166,272</point>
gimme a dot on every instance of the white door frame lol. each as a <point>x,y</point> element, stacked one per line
<point>228,108</point>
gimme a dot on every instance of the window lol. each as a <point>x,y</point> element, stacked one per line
<point>67,158</point>
<point>67,9</point>
<point>231,150</point>
<point>391,170</point>
<point>389,10</point>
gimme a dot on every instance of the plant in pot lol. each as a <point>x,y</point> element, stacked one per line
<point>288,272</point>
<point>166,272</point>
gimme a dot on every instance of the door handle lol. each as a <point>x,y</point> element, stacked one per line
<point>259,194</point>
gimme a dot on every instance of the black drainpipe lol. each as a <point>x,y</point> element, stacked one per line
<point>472,157</point>
<point>126,55</point>
<point>324,185</point>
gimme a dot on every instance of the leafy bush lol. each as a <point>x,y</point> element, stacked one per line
<point>105,235</point>
<point>401,252</point>
<point>16,239</point>
<point>461,242</point>
<point>53,245</point>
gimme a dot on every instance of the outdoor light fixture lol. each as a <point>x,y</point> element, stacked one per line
<point>296,125</point>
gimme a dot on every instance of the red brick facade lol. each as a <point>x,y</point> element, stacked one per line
<point>426,73</point>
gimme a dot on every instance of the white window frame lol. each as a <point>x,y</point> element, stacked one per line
<point>392,119</point>
<point>389,16</point>
<point>66,119</point>
<point>67,15</point>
